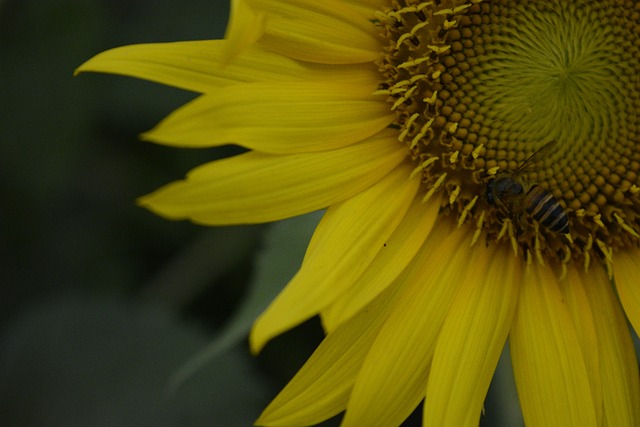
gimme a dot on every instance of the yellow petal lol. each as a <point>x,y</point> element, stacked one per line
<point>325,31</point>
<point>322,386</point>
<point>618,361</point>
<point>191,65</point>
<point>255,187</point>
<point>574,293</point>
<point>472,340</point>
<point>367,8</point>
<point>344,244</point>
<point>394,375</point>
<point>549,368</point>
<point>198,66</point>
<point>627,276</point>
<point>277,118</point>
<point>398,251</point>
<point>245,27</point>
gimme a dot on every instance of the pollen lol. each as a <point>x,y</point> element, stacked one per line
<point>522,118</point>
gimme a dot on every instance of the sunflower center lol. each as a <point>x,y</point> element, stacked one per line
<point>523,117</point>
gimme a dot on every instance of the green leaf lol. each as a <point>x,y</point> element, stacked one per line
<point>284,247</point>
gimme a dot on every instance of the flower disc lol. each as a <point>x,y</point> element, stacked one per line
<point>479,87</point>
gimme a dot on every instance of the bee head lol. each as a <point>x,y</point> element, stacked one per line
<point>503,187</point>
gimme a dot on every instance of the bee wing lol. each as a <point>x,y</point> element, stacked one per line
<point>539,154</point>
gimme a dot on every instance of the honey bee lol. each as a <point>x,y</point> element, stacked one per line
<point>515,196</point>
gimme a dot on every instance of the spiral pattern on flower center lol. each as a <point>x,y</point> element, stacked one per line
<point>478,87</point>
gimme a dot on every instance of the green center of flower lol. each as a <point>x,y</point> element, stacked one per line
<point>479,87</point>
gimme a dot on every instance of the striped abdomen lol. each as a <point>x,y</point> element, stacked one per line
<point>545,209</point>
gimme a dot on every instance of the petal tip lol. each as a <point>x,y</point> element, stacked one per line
<point>256,343</point>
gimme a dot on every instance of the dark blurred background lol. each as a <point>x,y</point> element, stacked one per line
<point>102,302</point>
<point>112,316</point>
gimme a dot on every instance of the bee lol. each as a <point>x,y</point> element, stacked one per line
<point>515,196</point>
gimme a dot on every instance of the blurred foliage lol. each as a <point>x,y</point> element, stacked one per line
<point>104,302</point>
<point>78,361</point>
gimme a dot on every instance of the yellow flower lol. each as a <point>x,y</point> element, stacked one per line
<point>479,164</point>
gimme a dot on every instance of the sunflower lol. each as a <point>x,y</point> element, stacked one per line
<point>479,165</point>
